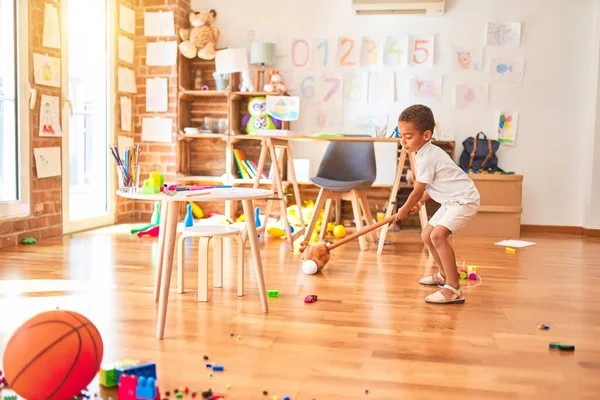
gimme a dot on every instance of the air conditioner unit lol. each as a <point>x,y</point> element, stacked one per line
<point>374,7</point>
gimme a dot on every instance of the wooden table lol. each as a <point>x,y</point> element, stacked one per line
<point>168,233</point>
<point>269,144</point>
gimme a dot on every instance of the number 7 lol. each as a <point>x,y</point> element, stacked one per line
<point>336,85</point>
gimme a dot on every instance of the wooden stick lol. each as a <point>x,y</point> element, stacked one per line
<point>364,231</point>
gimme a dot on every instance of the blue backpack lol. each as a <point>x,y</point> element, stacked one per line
<point>479,153</point>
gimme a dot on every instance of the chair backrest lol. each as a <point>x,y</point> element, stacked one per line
<point>349,161</point>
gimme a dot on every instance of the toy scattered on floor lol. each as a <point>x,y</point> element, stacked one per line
<point>8,395</point>
<point>339,231</point>
<point>510,250</point>
<point>55,354</point>
<point>311,298</point>
<point>155,219</point>
<point>108,372</point>
<point>562,346</point>
<point>273,293</point>
<point>217,368</point>
<point>543,327</point>
<point>469,272</point>
<point>196,210</point>
<point>154,184</point>
<point>29,240</point>
<point>189,219</point>
<point>278,231</point>
<point>132,387</point>
<point>315,256</point>
<point>153,232</point>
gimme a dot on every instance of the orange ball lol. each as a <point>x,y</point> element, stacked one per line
<point>54,355</point>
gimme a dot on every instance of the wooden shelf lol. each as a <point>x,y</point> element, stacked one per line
<point>199,179</point>
<point>192,94</point>
<point>189,136</point>
<point>252,94</point>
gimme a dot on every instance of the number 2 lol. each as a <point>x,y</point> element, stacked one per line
<point>343,58</point>
<point>423,49</point>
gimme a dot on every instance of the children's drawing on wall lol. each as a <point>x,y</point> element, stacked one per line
<point>466,58</point>
<point>371,125</point>
<point>504,34</point>
<point>51,34</point>
<point>46,70</point>
<point>507,69</point>
<point>466,95</point>
<point>49,116</point>
<point>284,108</point>
<point>506,125</point>
<point>426,88</point>
<point>327,120</point>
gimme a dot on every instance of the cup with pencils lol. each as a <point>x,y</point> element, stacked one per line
<point>128,171</point>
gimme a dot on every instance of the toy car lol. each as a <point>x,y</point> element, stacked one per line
<point>311,298</point>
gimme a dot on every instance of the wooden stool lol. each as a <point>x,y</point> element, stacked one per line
<point>206,233</point>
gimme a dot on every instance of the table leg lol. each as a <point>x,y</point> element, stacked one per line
<point>161,246</point>
<point>167,266</point>
<point>390,205</point>
<point>254,247</point>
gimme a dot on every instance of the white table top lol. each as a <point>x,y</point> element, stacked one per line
<point>216,194</point>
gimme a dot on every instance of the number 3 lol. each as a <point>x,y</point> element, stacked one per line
<point>423,49</point>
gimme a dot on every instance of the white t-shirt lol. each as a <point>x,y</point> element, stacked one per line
<point>446,182</point>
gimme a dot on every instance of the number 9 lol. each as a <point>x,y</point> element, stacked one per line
<point>308,90</point>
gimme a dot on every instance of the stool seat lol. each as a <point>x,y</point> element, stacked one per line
<point>211,230</point>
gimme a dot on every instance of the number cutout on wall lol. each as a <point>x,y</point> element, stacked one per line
<point>396,51</point>
<point>381,86</point>
<point>308,88</point>
<point>300,53</point>
<point>330,88</point>
<point>371,52</point>
<point>421,51</point>
<point>355,86</point>
<point>348,52</point>
<point>321,52</point>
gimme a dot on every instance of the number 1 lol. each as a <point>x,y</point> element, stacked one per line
<point>325,45</point>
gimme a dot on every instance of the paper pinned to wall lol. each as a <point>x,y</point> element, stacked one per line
<point>284,108</point>
<point>49,116</point>
<point>126,111</point>
<point>157,94</point>
<point>507,69</point>
<point>46,70</point>
<point>426,88</point>
<point>466,95</point>
<point>356,86</point>
<point>155,129</point>
<point>395,53</point>
<point>126,80</point>
<point>125,46</point>
<point>161,54</point>
<point>47,161</point>
<point>160,23</point>
<point>325,120</point>
<point>381,86</point>
<point>506,126</point>
<point>126,19</point>
<point>466,58</point>
<point>123,142</point>
<point>51,33</point>
<point>422,49</point>
<point>504,34</point>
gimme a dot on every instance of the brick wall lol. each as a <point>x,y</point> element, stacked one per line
<point>46,206</point>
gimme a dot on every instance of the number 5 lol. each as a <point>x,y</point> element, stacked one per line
<point>423,49</point>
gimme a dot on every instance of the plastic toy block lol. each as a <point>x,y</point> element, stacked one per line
<point>127,387</point>
<point>217,368</point>
<point>510,250</point>
<point>153,184</point>
<point>147,370</point>
<point>273,293</point>
<point>29,240</point>
<point>562,346</point>
<point>543,327</point>
<point>146,388</point>
<point>108,375</point>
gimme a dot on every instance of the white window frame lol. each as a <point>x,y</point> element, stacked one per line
<point>22,207</point>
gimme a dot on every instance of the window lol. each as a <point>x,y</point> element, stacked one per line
<point>14,127</point>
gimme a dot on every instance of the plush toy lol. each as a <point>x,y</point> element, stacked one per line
<point>314,257</point>
<point>275,84</point>
<point>258,118</point>
<point>200,40</point>
<point>246,85</point>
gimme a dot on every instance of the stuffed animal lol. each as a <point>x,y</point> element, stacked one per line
<point>275,84</point>
<point>201,39</point>
<point>246,85</point>
<point>314,257</point>
<point>258,118</point>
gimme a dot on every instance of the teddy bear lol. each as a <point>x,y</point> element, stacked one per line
<point>201,39</point>
<point>246,85</point>
<point>275,84</point>
<point>314,257</point>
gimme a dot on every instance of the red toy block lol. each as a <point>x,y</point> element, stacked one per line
<point>127,387</point>
<point>150,232</point>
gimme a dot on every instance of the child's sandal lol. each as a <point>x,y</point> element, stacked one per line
<point>430,280</point>
<point>439,298</point>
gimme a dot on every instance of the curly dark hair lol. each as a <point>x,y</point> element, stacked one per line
<point>421,116</point>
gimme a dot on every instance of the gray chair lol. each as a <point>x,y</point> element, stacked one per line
<point>346,171</point>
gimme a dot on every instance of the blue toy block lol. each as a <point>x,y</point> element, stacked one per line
<point>146,388</point>
<point>147,370</point>
<point>189,217</point>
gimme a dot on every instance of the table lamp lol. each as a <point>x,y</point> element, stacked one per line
<point>229,61</point>
<point>262,54</point>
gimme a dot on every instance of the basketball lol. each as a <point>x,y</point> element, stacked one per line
<point>54,355</point>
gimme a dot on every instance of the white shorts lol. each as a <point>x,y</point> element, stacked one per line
<point>454,215</point>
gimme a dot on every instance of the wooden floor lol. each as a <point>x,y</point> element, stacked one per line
<point>370,329</point>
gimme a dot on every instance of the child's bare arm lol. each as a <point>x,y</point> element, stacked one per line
<point>415,196</point>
